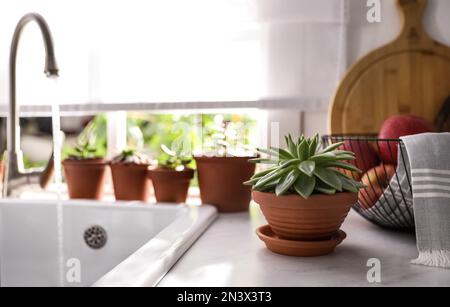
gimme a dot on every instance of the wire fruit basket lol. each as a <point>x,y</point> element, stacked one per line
<point>387,199</point>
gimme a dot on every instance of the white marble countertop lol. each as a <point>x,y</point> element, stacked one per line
<point>230,254</point>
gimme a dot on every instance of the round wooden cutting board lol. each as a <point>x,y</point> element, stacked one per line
<point>408,76</point>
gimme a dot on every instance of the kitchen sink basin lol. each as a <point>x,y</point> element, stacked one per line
<point>84,243</point>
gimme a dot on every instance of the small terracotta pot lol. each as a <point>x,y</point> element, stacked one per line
<point>294,218</point>
<point>85,178</point>
<point>221,181</point>
<point>171,186</point>
<point>130,181</point>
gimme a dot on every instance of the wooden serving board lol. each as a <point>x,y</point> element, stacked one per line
<point>411,75</point>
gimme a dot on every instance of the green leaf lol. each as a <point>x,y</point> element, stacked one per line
<point>263,161</point>
<point>332,147</point>
<point>291,146</point>
<point>307,167</point>
<point>258,176</point>
<point>329,177</point>
<point>349,185</point>
<point>343,165</point>
<point>263,173</point>
<point>328,156</point>
<point>300,140</point>
<point>268,187</point>
<point>251,182</point>
<point>284,154</point>
<point>328,191</point>
<point>270,151</point>
<point>168,151</point>
<point>269,178</point>
<point>344,152</point>
<point>305,185</point>
<point>286,182</point>
<point>345,158</point>
<point>322,187</point>
<point>303,150</point>
<point>313,147</point>
<point>288,163</point>
<point>357,184</point>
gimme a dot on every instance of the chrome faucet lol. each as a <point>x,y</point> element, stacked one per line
<point>15,174</point>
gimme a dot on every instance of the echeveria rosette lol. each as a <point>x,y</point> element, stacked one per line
<point>305,168</point>
<point>131,156</point>
<point>84,150</point>
<point>173,159</point>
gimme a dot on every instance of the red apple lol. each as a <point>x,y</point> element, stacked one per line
<point>396,127</point>
<point>366,157</point>
<point>376,181</point>
<point>368,197</point>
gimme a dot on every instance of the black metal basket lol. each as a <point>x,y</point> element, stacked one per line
<point>387,199</point>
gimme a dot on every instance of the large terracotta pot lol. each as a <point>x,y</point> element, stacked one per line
<point>130,181</point>
<point>221,182</point>
<point>85,178</point>
<point>171,186</point>
<point>294,218</point>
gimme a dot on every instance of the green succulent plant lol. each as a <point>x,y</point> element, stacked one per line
<point>305,168</point>
<point>172,159</point>
<point>131,155</point>
<point>84,149</point>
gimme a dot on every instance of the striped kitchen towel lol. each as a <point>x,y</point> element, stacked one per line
<point>429,159</point>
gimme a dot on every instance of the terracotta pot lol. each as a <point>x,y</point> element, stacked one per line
<point>294,218</point>
<point>221,182</point>
<point>130,181</point>
<point>85,178</point>
<point>171,186</point>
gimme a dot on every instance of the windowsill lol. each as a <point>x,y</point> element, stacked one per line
<point>92,108</point>
<point>32,192</point>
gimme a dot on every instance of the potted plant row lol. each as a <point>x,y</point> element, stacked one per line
<point>304,195</point>
<point>172,177</point>
<point>85,173</point>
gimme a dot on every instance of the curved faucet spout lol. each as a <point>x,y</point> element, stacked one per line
<point>51,70</point>
<point>14,169</point>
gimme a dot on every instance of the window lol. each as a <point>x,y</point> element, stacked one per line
<point>178,54</point>
<point>146,131</point>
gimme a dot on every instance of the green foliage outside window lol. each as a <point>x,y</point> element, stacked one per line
<point>180,132</point>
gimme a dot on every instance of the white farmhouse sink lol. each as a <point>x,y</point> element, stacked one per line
<point>143,241</point>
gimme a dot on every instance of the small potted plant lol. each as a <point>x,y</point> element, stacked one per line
<point>172,177</point>
<point>222,171</point>
<point>303,194</point>
<point>85,171</point>
<point>130,175</point>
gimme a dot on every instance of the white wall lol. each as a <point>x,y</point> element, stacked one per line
<point>364,37</point>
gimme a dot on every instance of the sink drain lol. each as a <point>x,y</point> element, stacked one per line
<point>95,237</point>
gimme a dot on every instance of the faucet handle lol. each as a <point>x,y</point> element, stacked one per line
<point>47,174</point>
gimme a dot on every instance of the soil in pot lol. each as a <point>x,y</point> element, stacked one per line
<point>221,182</point>
<point>317,218</point>
<point>85,178</point>
<point>131,181</point>
<point>171,186</point>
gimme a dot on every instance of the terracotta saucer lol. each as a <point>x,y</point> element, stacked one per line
<point>298,248</point>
